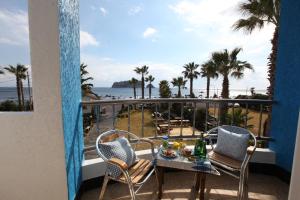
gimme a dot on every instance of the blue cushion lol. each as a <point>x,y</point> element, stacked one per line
<point>232,144</point>
<point>121,149</point>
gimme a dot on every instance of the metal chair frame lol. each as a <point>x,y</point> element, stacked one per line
<point>134,140</point>
<point>241,174</point>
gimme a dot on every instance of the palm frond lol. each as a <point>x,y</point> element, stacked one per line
<point>249,24</point>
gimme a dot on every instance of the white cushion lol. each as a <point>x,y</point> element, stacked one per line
<point>121,149</point>
<point>232,144</point>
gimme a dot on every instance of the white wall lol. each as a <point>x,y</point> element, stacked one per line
<point>31,144</point>
<point>295,179</point>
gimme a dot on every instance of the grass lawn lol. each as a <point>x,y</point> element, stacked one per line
<point>136,123</point>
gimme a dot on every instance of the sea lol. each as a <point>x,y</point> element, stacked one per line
<point>10,93</point>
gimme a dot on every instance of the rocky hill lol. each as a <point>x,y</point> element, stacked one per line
<point>125,84</point>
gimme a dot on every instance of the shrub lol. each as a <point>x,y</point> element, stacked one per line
<point>9,105</point>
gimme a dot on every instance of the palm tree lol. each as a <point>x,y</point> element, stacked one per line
<point>164,89</point>
<point>252,90</point>
<point>180,83</point>
<point>191,73</point>
<point>209,70</point>
<point>86,86</point>
<point>229,65</point>
<point>150,79</point>
<point>143,71</point>
<point>133,82</point>
<point>258,13</point>
<point>20,73</point>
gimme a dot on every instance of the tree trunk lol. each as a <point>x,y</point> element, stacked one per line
<point>271,77</point>
<point>207,86</point>
<point>225,87</point>
<point>143,86</point>
<point>179,92</point>
<point>191,88</point>
<point>134,92</point>
<point>150,87</point>
<point>225,95</point>
<point>272,64</point>
<point>18,92</point>
<point>22,94</point>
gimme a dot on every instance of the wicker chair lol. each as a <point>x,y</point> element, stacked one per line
<point>137,174</point>
<point>230,166</point>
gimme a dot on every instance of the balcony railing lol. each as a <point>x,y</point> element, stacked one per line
<point>238,112</point>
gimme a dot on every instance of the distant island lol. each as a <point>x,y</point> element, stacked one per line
<point>152,86</point>
<point>125,84</point>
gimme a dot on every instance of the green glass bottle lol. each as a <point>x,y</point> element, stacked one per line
<point>200,148</point>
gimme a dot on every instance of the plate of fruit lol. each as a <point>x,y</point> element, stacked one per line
<point>168,153</point>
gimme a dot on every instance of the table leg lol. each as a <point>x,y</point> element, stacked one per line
<point>196,186</point>
<point>202,184</point>
<point>160,171</point>
<point>197,182</point>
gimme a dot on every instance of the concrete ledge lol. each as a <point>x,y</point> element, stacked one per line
<point>96,167</point>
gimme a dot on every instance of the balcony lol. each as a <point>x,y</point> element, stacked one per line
<point>182,120</point>
<point>179,118</point>
<point>42,151</point>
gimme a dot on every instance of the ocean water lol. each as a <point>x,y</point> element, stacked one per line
<point>10,93</point>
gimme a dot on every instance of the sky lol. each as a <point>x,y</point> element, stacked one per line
<point>118,35</point>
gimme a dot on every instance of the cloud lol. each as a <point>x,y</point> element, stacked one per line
<point>149,32</point>
<point>103,11</point>
<point>14,27</point>
<point>135,10</point>
<point>107,70</point>
<point>211,21</point>
<point>86,39</point>
<point>188,29</point>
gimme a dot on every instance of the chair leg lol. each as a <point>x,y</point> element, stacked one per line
<point>130,185</point>
<point>106,178</point>
<point>246,184</point>
<point>241,187</point>
<point>131,188</point>
<point>156,177</point>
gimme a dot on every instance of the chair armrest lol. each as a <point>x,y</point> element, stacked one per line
<point>120,163</point>
<point>149,142</point>
<point>250,150</point>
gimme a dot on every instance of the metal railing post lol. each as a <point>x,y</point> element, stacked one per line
<point>156,125</point>
<point>181,118</point>
<point>260,120</point>
<point>246,116</point>
<point>98,110</point>
<point>142,120</point>
<point>219,113</point>
<point>232,115</point>
<point>169,117</point>
<point>206,116</point>
<point>114,116</point>
<point>194,117</point>
<point>128,123</point>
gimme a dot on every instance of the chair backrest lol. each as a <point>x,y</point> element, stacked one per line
<point>111,135</point>
<point>213,133</point>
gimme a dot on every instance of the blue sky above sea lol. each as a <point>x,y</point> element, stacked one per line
<point>117,36</point>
